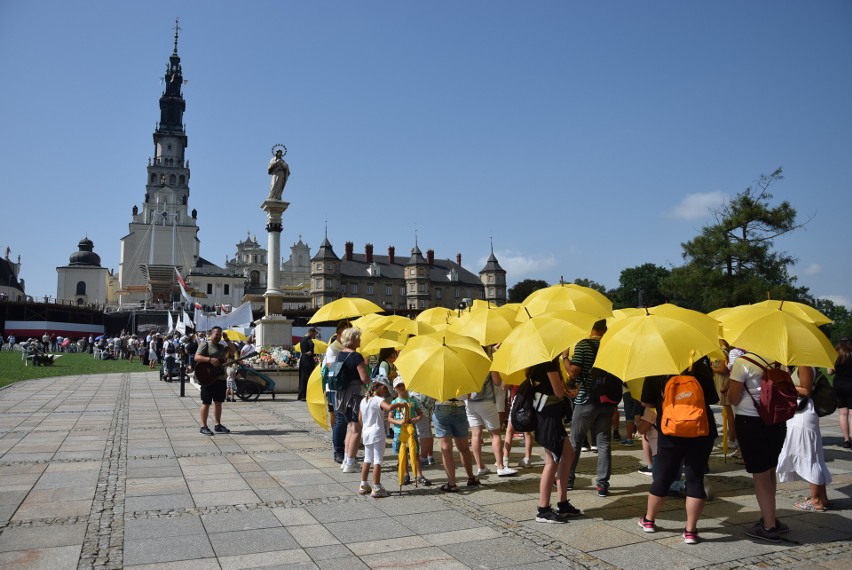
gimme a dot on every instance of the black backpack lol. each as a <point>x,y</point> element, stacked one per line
<point>522,413</point>
<point>606,388</point>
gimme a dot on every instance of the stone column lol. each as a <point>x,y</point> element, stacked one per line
<point>274,329</point>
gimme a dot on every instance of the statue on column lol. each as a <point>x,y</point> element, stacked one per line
<point>279,172</point>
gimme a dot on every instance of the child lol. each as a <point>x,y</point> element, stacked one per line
<point>397,419</point>
<point>371,415</point>
<point>231,379</point>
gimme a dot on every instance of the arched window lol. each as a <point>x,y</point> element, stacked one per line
<point>80,302</point>
<point>172,180</point>
<point>153,178</point>
<point>81,288</point>
<point>254,278</point>
<point>182,180</point>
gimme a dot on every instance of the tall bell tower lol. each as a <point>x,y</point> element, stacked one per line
<point>163,233</point>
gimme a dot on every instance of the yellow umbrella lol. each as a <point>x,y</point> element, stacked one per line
<point>538,340</point>
<point>778,336</point>
<point>650,345</point>
<point>443,369</point>
<point>487,326</point>
<point>566,296</point>
<point>436,316</point>
<point>707,324</point>
<point>234,335</point>
<point>801,310</point>
<point>367,322</point>
<point>315,398</point>
<point>344,308</point>
<point>408,451</point>
<point>388,339</point>
<point>320,346</point>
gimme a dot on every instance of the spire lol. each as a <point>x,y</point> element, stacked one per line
<point>177,29</point>
<point>172,104</point>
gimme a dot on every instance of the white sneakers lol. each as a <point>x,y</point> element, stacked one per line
<point>482,471</point>
<point>350,468</point>
<point>506,472</point>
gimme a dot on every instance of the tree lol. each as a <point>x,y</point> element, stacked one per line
<point>522,289</point>
<point>640,286</point>
<point>842,325</point>
<point>583,282</point>
<point>732,262</point>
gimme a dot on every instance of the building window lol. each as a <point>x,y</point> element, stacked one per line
<point>319,266</point>
<point>172,180</point>
<point>458,292</point>
<point>81,288</point>
<point>353,288</point>
<point>209,288</point>
<point>422,288</point>
<point>491,278</point>
<point>411,288</point>
<point>153,178</point>
<point>388,290</point>
<point>369,288</point>
<point>227,289</point>
<point>438,293</point>
<point>182,180</point>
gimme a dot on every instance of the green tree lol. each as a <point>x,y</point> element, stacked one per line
<point>522,289</point>
<point>842,325</point>
<point>583,282</point>
<point>640,286</point>
<point>732,261</point>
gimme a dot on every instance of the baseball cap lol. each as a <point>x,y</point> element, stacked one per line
<point>397,381</point>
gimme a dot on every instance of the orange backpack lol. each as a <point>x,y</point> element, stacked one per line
<point>684,413</point>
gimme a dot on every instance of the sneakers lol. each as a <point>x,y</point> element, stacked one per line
<point>690,537</point>
<point>423,481</point>
<point>548,516</point>
<point>506,472</point>
<point>363,489</point>
<point>350,468</point>
<point>205,430</point>
<point>430,461</point>
<point>338,458</point>
<point>594,448</point>
<point>379,492</point>
<point>603,490</point>
<point>565,509</point>
<point>647,526</point>
<point>763,533</point>
<point>219,428</point>
<point>585,447</point>
<point>646,470</point>
<point>525,462</point>
<point>847,444</point>
<point>779,526</point>
<point>482,471</point>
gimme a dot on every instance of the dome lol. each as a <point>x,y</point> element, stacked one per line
<point>85,255</point>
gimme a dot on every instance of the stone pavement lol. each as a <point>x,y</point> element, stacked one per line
<point>109,471</point>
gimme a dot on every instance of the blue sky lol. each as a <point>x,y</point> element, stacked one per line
<point>585,137</point>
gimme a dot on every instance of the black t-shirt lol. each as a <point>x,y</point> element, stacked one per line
<point>538,376</point>
<point>351,360</point>
<point>655,386</point>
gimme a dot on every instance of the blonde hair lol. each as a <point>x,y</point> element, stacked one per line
<point>350,337</point>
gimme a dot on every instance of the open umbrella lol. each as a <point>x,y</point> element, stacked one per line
<point>650,345</point>
<point>436,316</point>
<point>540,339</point>
<point>801,310</point>
<point>566,296</point>
<point>778,336</point>
<point>315,398</point>
<point>388,339</point>
<point>443,369</point>
<point>705,323</point>
<point>235,335</point>
<point>344,308</point>
<point>487,326</point>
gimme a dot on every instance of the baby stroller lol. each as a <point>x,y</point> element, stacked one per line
<point>252,383</point>
<point>170,369</point>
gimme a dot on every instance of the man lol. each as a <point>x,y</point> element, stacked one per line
<point>589,417</point>
<point>214,351</point>
<point>306,362</point>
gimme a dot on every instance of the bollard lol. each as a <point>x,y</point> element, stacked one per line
<point>182,379</point>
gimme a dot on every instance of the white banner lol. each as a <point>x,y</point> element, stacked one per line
<point>241,316</point>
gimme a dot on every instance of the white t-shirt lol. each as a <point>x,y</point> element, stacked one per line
<point>373,430</point>
<point>749,374</point>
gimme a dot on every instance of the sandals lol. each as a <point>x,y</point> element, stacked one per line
<point>473,482</point>
<point>808,506</point>
<point>447,488</point>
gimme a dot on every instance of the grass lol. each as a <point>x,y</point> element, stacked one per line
<point>12,368</point>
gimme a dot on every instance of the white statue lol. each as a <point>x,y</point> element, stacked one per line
<point>279,172</point>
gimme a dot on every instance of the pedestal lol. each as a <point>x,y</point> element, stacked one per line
<point>274,330</point>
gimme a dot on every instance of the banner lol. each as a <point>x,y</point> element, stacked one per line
<point>241,316</point>
<point>171,323</point>
<point>183,288</point>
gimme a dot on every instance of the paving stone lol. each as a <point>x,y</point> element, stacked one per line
<point>251,541</point>
<point>240,520</point>
<point>47,536</point>
<point>494,553</point>
<point>167,549</point>
<point>57,557</point>
<point>137,529</point>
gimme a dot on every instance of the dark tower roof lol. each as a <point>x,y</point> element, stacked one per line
<point>325,252</point>
<point>85,255</point>
<point>492,265</point>
<point>172,104</point>
<point>416,257</point>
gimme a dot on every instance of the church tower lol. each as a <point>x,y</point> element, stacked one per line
<point>163,233</point>
<point>493,278</point>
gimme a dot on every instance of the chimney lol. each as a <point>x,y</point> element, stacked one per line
<point>391,252</point>
<point>349,248</point>
<point>368,250</point>
<point>458,259</point>
<point>430,256</point>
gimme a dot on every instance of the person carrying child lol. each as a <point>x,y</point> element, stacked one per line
<point>398,419</point>
<point>371,415</point>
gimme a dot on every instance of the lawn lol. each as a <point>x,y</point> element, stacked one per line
<point>12,368</point>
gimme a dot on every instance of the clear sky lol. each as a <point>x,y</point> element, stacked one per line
<point>585,137</point>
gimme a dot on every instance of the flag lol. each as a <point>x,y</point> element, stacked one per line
<point>225,309</point>
<point>183,289</point>
<point>171,322</point>
<point>187,322</point>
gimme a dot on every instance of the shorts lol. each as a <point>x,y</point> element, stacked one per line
<point>500,399</point>
<point>232,384</point>
<point>843,391</point>
<point>483,414</point>
<point>424,427</point>
<point>450,421</point>
<point>213,392</point>
<point>632,408</point>
<point>374,453</point>
<point>760,444</point>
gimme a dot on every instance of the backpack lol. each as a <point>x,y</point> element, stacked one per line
<point>823,396</point>
<point>336,377</point>
<point>778,396</point>
<point>684,411</point>
<point>522,413</point>
<point>606,388</point>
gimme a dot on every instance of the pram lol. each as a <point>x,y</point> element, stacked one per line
<point>170,368</point>
<point>252,383</point>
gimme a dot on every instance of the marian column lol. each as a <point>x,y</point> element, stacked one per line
<point>274,329</point>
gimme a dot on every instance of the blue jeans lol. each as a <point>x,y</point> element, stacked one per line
<point>596,420</point>
<point>338,432</point>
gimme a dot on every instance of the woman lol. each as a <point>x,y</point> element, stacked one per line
<point>760,444</point>
<point>550,433</point>
<point>802,456</point>
<point>676,454</point>
<point>450,420</point>
<point>843,387</point>
<point>346,434</point>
